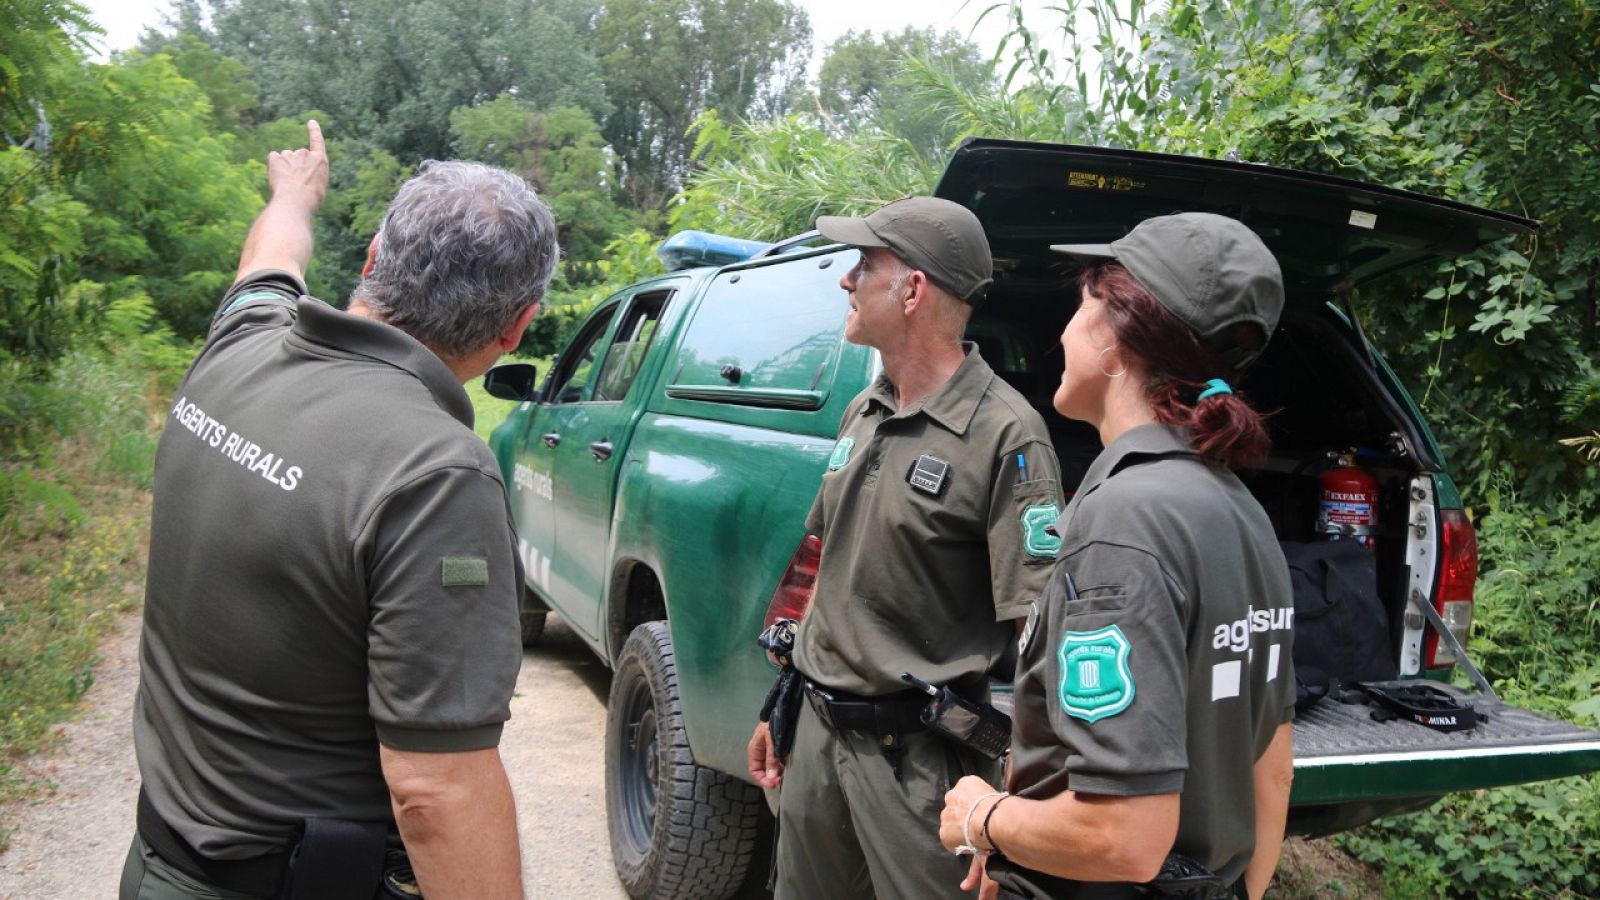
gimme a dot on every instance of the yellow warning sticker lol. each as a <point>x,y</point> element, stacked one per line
<point>1096,181</point>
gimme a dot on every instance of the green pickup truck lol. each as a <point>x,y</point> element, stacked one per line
<point>661,473</point>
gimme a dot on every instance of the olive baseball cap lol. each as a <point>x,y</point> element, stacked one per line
<point>1209,270</point>
<point>942,239</point>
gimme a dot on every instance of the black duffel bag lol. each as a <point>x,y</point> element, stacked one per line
<point>1341,629</point>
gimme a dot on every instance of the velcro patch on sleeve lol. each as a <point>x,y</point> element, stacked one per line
<point>465,571</point>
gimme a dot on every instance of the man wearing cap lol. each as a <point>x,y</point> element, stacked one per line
<point>1151,729</point>
<point>933,514</point>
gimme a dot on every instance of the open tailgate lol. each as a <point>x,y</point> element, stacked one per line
<point>1341,755</point>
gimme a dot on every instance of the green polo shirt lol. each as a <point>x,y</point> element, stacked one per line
<point>933,524</point>
<point>1171,670</point>
<point>331,566</point>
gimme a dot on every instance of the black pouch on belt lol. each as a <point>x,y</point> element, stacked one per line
<point>336,859</point>
<point>782,709</point>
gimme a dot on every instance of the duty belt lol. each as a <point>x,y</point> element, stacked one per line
<point>899,713</point>
<point>889,718</point>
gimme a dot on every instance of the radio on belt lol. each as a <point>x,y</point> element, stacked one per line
<point>983,728</point>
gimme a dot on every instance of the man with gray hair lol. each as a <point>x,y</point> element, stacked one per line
<point>331,627</point>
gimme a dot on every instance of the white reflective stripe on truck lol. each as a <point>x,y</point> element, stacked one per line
<point>1453,754</point>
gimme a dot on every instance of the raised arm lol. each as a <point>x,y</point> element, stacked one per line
<point>281,236</point>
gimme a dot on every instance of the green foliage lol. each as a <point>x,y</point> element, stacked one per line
<point>667,61</point>
<point>70,521</point>
<point>561,153</point>
<point>870,81</point>
<point>1536,636</point>
<point>167,205</point>
<point>769,180</point>
<point>392,72</point>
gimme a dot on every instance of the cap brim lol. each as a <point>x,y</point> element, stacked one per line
<point>1086,251</point>
<point>848,230</point>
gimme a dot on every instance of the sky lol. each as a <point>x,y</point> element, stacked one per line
<point>124,20</point>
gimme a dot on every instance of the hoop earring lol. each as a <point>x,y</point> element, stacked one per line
<point>1100,361</point>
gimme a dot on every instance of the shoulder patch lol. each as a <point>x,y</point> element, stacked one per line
<point>841,453</point>
<point>464,571</point>
<point>1035,539</point>
<point>1095,679</point>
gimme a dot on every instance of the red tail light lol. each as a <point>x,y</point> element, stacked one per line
<point>793,596</point>
<point>1452,596</point>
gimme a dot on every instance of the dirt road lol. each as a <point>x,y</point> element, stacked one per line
<point>70,843</point>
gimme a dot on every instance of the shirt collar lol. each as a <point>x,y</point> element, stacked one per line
<point>1144,440</point>
<point>952,404</point>
<point>321,324</point>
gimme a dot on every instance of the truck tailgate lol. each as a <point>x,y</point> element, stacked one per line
<point>1341,754</point>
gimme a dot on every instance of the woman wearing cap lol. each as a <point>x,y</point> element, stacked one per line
<point>1155,689</point>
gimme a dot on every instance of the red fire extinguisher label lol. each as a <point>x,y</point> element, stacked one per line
<point>1348,505</point>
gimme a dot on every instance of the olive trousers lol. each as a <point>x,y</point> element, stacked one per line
<point>848,829</point>
<point>146,876</point>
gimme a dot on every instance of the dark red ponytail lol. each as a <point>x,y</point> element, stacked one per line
<point>1223,427</point>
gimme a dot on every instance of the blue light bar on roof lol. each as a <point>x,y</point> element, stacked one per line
<point>688,249</point>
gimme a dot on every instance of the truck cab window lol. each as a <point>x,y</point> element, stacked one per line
<point>576,368</point>
<point>628,347</point>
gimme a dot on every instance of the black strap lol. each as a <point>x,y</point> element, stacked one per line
<point>260,875</point>
<point>1422,703</point>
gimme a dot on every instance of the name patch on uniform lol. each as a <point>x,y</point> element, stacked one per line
<point>465,571</point>
<point>928,474</point>
<point>1095,679</point>
<point>1036,537</point>
<point>841,453</point>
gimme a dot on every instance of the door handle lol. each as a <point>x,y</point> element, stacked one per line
<point>601,450</point>
<point>551,439</point>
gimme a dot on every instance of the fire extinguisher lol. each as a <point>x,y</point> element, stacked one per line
<point>1347,508</point>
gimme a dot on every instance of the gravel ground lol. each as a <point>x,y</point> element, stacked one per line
<point>69,843</point>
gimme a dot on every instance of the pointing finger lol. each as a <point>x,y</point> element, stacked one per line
<point>314,136</point>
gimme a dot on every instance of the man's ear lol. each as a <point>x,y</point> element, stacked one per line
<point>512,335</point>
<point>372,256</point>
<point>917,292</point>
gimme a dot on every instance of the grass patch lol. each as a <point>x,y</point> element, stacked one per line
<point>491,411</point>
<point>64,582</point>
<point>78,455</point>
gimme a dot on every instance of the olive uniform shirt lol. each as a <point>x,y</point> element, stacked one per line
<point>1171,670</point>
<point>331,566</point>
<point>933,522</point>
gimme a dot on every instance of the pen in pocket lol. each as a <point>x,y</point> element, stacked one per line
<point>1022,468</point>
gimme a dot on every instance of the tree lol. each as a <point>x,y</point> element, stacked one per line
<point>868,81</point>
<point>561,153</point>
<point>392,71</point>
<point>666,61</point>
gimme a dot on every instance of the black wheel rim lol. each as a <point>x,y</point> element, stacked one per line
<point>640,765</point>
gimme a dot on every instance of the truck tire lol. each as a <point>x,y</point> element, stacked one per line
<point>678,830</point>
<point>533,615</point>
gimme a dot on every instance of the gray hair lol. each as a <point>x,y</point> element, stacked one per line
<point>463,248</point>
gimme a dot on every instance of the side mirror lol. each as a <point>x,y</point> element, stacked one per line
<point>513,381</point>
